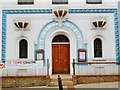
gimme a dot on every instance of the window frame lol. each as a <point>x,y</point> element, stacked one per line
<point>21,57</point>
<point>90,2</point>
<point>25,2</point>
<point>96,49</point>
<point>59,2</point>
<point>60,38</point>
<point>39,52</point>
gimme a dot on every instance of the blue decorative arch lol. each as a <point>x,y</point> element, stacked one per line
<point>68,25</point>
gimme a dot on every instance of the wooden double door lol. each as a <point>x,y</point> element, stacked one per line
<point>60,58</point>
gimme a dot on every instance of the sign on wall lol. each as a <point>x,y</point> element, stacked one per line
<point>82,55</point>
<point>40,54</point>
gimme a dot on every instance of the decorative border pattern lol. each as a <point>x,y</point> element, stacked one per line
<point>49,11</point>
<point>4,19</point>
<point>53,25</point>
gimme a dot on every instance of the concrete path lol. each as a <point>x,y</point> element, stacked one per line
<point>93,86</point>
<point>99,85</point>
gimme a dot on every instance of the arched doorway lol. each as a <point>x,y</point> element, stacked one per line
<point>60,55</point>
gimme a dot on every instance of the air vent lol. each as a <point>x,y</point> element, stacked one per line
<point>99,23</point>
<point>60,13</point>
<point>22,25</point>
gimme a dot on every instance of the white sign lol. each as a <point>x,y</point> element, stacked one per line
<point>39,56</point>
<point>82,55</point>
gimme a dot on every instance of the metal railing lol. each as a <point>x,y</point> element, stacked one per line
<point>48,66</point>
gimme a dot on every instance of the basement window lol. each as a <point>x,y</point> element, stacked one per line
<point>93,1</point>
<point>59,1</point>
<point>25,2</point>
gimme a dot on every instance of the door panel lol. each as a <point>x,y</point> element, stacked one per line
<point>60,58</point>
<point>55,58</point>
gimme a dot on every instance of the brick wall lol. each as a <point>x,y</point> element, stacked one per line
<point>84,79</point>
<point>25,81</point>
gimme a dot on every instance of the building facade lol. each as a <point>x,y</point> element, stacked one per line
<point>45,37</point>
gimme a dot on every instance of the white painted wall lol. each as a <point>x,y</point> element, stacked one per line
<point>13,36</point>
<point>97,69</point>
<point>83,21</point>
<point>12,4</point>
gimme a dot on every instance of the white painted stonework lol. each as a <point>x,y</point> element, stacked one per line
<point>81,36</point>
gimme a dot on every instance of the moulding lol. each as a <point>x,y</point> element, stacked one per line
<point>49,11</point>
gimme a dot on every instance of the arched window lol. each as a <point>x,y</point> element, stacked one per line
<point>60,38</point>
<point>23,48</point>
<point>97,48</point>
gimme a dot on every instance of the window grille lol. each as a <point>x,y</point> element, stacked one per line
<point>97,48</point>
<point>59,1</point>
<point>94,1</point>
<point>25,2</point>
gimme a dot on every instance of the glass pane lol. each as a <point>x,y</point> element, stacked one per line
<point>60,38</point>
<point>93,1</point>
<point>20,2</point>
<point>59,1</point>
<point>23,49</point>
<point>97,48</point>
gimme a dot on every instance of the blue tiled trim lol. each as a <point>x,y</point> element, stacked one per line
<point>49,11</point>
<point>4,15</point>
<point>41,11</point>
<point>116,34</point>
<point>92,10</point>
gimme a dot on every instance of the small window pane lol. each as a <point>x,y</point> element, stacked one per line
<point>97,48</point>
<point>25,2</point>
<point>59,1</point>
<point>23,46</point>
<point>60,38</point>
<point>94,1</point>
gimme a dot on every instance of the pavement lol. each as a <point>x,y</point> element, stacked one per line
<point>93,86</point>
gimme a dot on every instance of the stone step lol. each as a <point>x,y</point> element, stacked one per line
<point>61,75</point>
<point>63,79</point>
<point>64,83</point>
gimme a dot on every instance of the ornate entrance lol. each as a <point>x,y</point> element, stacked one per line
<point>60,55</point>
<point>52,30</point>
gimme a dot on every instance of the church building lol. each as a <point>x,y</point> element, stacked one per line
<point>47,37</point>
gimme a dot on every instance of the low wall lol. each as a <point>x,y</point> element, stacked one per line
<point>96,69</point>
<point>84,79</point>
<point>24,81</point>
